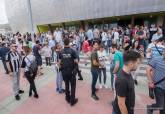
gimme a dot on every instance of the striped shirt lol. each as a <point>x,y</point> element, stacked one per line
<point>158,65</point>
<point>14,61</point>
<point>155,52</point>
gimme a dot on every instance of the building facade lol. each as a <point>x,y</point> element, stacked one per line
<point>55,12</point>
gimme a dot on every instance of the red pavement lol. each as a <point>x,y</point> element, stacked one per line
<point>6,85</point>
<point>51,102</point>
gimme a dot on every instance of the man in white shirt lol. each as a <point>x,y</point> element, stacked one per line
<point>58,36</point>
<point>90,36</point>
<point>105,40</point>
<point>157,35</point>
<point>116,36</point>
<point>52,45</point>
<point>96,33</point>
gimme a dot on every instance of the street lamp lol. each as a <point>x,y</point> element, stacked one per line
<point>30,18</point>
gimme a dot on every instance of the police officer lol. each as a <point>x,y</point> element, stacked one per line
<point>68,59</point>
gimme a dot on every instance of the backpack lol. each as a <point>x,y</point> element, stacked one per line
<point>33,67</point>
<point>67,63</point>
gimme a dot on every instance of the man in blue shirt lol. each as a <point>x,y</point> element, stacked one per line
<point>156,72</point>
<point>3,51</point>
<point>157,49</point>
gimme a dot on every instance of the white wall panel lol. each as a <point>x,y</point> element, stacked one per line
<point>55,11</point>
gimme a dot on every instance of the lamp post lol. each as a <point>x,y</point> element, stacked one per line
<point>30,18</point>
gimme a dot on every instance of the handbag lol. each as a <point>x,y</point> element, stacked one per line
<point>151,93</point>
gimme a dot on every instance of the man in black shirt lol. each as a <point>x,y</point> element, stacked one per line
<point>36,52</point>
<point>67,60</point>
<point>125,94</point>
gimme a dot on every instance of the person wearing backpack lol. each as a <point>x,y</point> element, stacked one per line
<point>30,68</point>
<point>68,60</point>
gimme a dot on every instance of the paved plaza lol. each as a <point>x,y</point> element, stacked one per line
<point>50,102</point>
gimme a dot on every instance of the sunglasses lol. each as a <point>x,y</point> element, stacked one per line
<point>14,46</point>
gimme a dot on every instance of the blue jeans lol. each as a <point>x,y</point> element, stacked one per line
<point>95,73</point>
<point>113,112</point>
<point>59,80</point>
<point>5,66</point>
<point>104,74</point>
<point>112,78</point>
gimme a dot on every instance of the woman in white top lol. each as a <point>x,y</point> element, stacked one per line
<point>47,51</point>
<point>102,59</point>
<point>26,63</point>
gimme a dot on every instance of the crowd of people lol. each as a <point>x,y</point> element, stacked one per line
<point>122,47</point>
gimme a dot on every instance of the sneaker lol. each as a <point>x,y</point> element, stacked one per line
<point>57,89</point>
<point>95,97</point>
<point>105,86</point>
<point>101,86</point>
<point>61,91</point>
<point>7,73</point>
<point>17,97</point>
<point>21,92</point>
<point>81,79</point>
<point>30,94</point>
<point>96,90</point>
<point>74,102</point>
<point>36,96</point>
<point>67,99</point>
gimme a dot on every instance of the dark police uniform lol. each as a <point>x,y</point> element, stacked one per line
<point>67,58</point>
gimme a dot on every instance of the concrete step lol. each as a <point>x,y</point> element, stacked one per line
<point>141,70</point>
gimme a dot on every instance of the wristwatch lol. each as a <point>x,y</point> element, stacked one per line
<point>150,82</point>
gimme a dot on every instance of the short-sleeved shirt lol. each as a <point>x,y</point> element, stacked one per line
<point>102,58</point>
<point>36,49</point>
<point>118,56</point>
<point>85,46</point>
<point>155,52</point>
<point>125,88</point>
<point>26,62</point>
<point>94,56</point>
<point>14,61</point>
<point>67,57</point>
<point>3,52</point>
<point>158,65</point>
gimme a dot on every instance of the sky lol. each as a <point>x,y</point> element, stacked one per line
<point>3,16</point>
